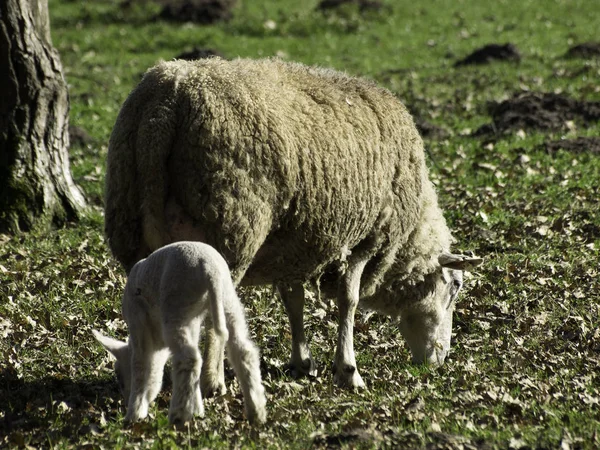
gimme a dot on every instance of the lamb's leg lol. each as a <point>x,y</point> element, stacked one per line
<point>159,359</point>
<point>141,374</point>
<point>345,373</point>
<point>245,359</point>
<point>301,362</point>
<point>183,340</point>
<point>212,381</point>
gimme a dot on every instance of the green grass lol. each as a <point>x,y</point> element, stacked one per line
<point>525,363</point>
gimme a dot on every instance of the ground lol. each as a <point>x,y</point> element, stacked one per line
<point>512,144</point>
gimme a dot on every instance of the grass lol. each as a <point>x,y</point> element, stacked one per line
<point>523,371</point>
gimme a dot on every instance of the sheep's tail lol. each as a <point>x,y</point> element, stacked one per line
<point>122,215</point>
<point>136,176</point>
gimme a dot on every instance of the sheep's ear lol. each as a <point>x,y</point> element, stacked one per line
<point>459,262</point>
<point>113,346</point>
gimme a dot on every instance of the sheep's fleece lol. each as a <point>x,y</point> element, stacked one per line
<point>295,174</point>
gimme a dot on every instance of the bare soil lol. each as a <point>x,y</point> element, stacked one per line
<point>78,137</point>
<point>577,146</point>
<point>542,111</point>
<point>429,130</point>
<point>363,5</point>
<point>199,53</point>
<point>491,52</point>
<point>198,11</point>
<point>586,50</point>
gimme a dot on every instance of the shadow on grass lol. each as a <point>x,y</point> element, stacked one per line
<point>29,405</point>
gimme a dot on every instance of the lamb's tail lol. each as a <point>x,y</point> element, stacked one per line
<point>136,173</point>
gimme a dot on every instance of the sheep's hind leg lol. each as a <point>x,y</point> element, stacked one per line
<point>301,361</point>
<point>345,372</point>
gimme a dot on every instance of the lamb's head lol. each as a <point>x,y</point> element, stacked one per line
<point>120,351</point>
<point>426,323</point>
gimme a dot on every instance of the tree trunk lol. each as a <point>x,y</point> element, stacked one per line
<point>36,188</point>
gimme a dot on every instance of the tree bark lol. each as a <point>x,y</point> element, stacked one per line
<point>36,187</point>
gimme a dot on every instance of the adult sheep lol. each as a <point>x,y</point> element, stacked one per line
<point>294,174</point>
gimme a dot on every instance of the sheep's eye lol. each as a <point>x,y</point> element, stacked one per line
<point>456,285</point>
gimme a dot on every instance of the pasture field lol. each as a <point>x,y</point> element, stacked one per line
<point>514,151</point>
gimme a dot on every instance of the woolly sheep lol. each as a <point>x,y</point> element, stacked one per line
<point>166,298</point>
<point>294,174</point>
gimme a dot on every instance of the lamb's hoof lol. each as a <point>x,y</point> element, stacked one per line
<point>348,378</point>
<point>136,416</point>
<point>198,408</point>
<point>129,419</point>
<point>305,368</point>
<point>257,416</point>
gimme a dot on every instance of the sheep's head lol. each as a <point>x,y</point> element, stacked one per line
<point>427,323</point>
<point>120,351</point>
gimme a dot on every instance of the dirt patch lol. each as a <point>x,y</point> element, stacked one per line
<point>578,145</point>
<point>199,53</point>
<point>352,437</point>
<point>489,53</point>
<point>587,50</point>
<point>429,130</point>
<point>198,11</point>
<point>542,111</point>
<point>78,137</point>
<point>363,5</point>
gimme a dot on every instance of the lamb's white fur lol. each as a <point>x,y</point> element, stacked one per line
<point>166,298</point>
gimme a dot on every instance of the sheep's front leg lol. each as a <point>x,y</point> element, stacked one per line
<point>345,372</point>
<point>301,362</point>
<point>212,381</point>
<point>187,362</point>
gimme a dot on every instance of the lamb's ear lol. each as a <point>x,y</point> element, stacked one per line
<point>113,346</point>
<point>459,262</point>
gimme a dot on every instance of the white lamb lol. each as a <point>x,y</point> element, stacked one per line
<point>166,298</point>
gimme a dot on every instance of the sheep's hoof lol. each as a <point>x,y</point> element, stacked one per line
<point>180,418</point>
<point>348,378</point>
<point>306,368</point>
<point>212,388</point>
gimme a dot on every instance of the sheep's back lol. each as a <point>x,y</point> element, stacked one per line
<point>285,166</point>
